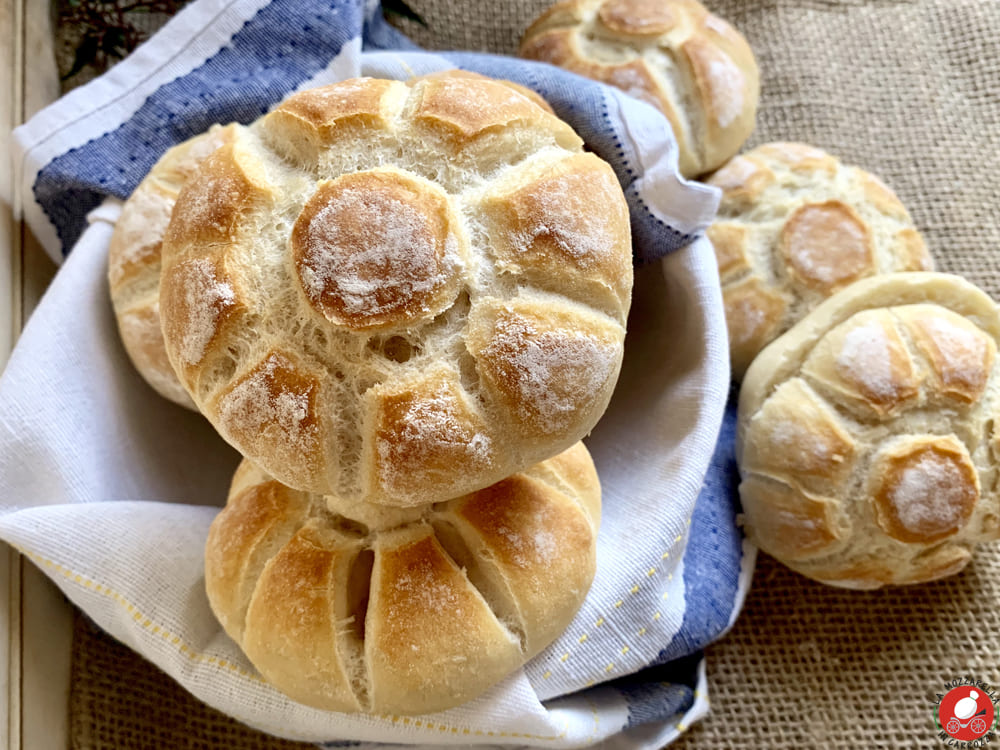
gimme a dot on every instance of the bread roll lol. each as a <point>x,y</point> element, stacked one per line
<point>134,260</point>
<point>868,438</point>
<point>399,292</point>
<point>134,254</point>
<point>351,607</point>
<point>794,226</point>
<point>692,65</point>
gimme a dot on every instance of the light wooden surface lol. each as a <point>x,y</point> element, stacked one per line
<point>35,619</point>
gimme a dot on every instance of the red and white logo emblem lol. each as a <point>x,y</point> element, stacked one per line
<point>966,713</point>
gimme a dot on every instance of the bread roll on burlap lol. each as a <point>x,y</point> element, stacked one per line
<point>351,607</point>
<point>692,65</point>
<point>399,291</point>
<point>869,434</point>
<point>794,226</point>
<point>134,260</point>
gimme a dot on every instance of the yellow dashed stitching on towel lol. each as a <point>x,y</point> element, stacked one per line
<point>618,605</point>
<point>190,653</point>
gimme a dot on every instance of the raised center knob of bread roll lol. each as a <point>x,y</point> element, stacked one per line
<point>927,491</point>
<point>827,246</point>
<point>375,249</point>
<point>637,16</point>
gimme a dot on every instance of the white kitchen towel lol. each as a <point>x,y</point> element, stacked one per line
<point>110,489</point>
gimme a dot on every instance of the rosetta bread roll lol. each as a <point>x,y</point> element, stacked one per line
<point>134,260</point>
<point>869,434</point>
<point>134,253</point>
<point>794,226</point>
<point>399,292</point>
<point>692,65</point>
<point>354,607</point>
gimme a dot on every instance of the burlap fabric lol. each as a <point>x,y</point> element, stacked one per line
<point>911,91</point>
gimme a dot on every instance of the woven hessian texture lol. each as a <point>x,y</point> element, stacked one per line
<point>910,91</point>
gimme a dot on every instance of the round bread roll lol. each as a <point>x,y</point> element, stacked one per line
<point>692,65</point>
<point>352,607</point>
<point>794,226</point>
<point>134,260</point>
<point>869,435</point>
<point>399,292</point>
<point>134,253</point>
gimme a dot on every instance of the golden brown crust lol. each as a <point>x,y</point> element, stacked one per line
<point>428,627</point>
<point>372,262</point>
<point>807,226</point>
<point>143,339</point>
<point>356,101</point>
<point>134,260</point>
<point>371,250</point>
<point>878,194</point>
<point>729,242</point>
<point>402,613</point>
<point>791,525</point>
<point>316,119</point>
<point>566,223</point>
<point>209,208</point>
<point>865,361</point>
<point>273,411</point>
<point>960,355</point>
<point>902,369</point>
<point>639,17</point>
<point>799,157</point>
<point>430,439</point>
<point>297,612</point>
<point>754,314</point>
<point>510,526</point>
<point>742,180</point>
<point>468,74</point>
<point>199,300</point>
<point>563,13</point>
<point>800,440</point>
<point>708,91</point>
<point>538,363</point>
<point>826,246</point>
<point>910,247</point>
<point>926,489</point>
<point>464,109</point>
<point>257,519</point>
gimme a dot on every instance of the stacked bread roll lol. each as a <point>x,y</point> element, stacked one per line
<point>404,303</point>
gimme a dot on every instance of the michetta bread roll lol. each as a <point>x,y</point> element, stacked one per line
<point>354,607</point>
<point>399,291</point>
<point>794,226</point>
<point>869,434</point>
<point>134,253</point>
<point>134,260</point>
<point>688,63</point>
